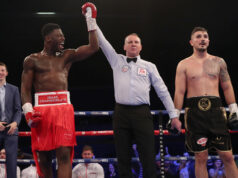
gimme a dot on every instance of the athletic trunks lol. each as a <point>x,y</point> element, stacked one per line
<point>206,124</point>
<point>57,127</point>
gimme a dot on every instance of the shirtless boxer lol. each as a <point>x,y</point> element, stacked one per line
<point>52,118</point>
<point>205,119</point>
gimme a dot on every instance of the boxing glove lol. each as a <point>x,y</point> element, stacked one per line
<point>32,117</point>
<point>233,117</point>
<point>89,10</point>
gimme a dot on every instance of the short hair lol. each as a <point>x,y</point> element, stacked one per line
<point>3,64</point>
<point>196,29</point>
<point>48,28</point>
<point>133,34</point>
<point>87,148</point>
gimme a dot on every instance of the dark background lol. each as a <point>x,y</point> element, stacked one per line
<point>163,25</point>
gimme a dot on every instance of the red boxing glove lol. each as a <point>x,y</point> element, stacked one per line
<point>33,118</point>
<point>92,7</point>
<point>90,12</point>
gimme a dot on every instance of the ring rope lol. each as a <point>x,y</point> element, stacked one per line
<point>110,132</point>
<point>114,160</point>
<point>109,113</point>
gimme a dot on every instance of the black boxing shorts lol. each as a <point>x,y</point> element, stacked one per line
<point>206,124</point>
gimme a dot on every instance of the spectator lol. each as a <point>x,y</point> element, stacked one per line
<point>3,166</point>
<point>89,170</point>
<point>10,117</point>
<point>218,170</point>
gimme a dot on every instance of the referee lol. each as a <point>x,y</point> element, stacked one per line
<point>132,119</point>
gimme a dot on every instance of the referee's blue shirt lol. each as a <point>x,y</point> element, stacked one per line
<point>132,81</point>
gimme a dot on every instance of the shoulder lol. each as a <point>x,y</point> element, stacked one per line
<point>185,61</point>
<point>182,65</point>
<point>12,86</point>
<point>79,166</point>
<point>148,64</point>
<point>98,165</point>
<point>31,59</point>
<point>68,51</point>
<point>143,61</point>
<point>218,60</point>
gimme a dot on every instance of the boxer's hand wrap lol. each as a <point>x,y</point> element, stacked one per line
<point>233,117</point>
<point>173,130</point>
<point>89,10</point>
<point>32,117</point>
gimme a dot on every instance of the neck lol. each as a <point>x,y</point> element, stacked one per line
<point>2,82</point>
<point>198,54</point>
<point>48,52</point>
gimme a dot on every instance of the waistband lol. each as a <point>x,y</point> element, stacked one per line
<point>131,106</point>
<point>52,98</point>
<point>203,103</point>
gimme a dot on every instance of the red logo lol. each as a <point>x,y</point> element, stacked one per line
<point>141,72</point>
<point>202,141</point>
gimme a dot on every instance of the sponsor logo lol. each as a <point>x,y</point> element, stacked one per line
<point>52,99</point>
<point>125,68</point>
<point>202,141</point>
<point>142,72</point>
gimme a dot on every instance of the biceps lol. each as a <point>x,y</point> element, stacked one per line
<point>180,83</point>
<point>83,52</point>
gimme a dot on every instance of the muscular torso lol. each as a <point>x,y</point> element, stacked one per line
<point>202,76</point>
<point>50,73</point>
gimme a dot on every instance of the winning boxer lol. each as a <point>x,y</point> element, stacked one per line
<point>52,118</point>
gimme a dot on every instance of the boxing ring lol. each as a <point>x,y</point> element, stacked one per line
<point>161,132</point>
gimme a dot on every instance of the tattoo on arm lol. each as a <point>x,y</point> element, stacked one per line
<point>224,75</point>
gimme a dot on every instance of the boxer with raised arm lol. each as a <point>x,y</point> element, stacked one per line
<point>206,124</point>
<point>52,118</point>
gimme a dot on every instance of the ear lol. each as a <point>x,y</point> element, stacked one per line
<point>47,38</point>
<point>124,47</point>
<point>191,43</point>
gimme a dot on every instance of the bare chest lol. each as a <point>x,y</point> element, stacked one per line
<point>206,70</point>
<point>50,65</point>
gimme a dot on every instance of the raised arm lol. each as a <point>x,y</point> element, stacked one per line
<point>90,12</point>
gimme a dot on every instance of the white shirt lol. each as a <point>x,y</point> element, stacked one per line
<point>2,102</point>
<point>90,170</point>
<point>29,172</point>
<point>3,170</point>
<point>132,81</point>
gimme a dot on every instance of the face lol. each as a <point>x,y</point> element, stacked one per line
<point>56,39</point>
<point>3,154</point>
<point>3,73</point>
<point>218,163</point>
<point>200,41</point>
<point>132,46</point>
<point>87,154</point>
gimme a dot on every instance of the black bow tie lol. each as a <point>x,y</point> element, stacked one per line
<point>131,59</point>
